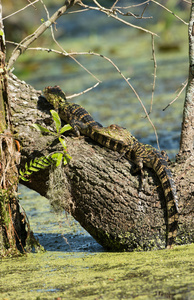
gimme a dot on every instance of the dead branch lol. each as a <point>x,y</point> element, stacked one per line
<point>154,74</point>
<point>168,10</point>
<point>25,43</point>
<point>21,9</point>
<point>113,14</point>
<point>179,93</point>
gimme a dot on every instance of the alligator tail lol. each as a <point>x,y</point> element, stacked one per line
<point>163,172</point>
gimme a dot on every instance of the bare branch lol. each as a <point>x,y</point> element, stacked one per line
<point>134,5</point>
<point>127,81</point>
<point>114,4</point>
<point>155,67</point>
<point>83,92</point>
<point>116,10</point>
<point>132,14</point>
<point>114,65</point>
<point>76,11</point>
<point>181,90</point>
<point>24,44</point>
<point>62,49</point>
<point>164,7</point>
<point>16,12</point>
<point>113,14</point>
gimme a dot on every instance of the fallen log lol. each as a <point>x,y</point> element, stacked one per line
<point>96,189</point>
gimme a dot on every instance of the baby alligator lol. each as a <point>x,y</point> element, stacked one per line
<point>119,139</point>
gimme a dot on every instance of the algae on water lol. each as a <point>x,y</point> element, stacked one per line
<point>158,274</point>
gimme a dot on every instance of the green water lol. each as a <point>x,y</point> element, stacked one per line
<point>76,267</point>
<point>56,232</point>
<point>63,275</point>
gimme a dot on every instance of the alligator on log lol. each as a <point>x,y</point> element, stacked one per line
<point>96,189</point>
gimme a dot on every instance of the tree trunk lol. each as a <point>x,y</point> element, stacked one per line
<point>12,225</point>
<point>187,132</point>
<point>95,188</point>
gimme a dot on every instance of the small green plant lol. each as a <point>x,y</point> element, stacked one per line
<point>54,157</point>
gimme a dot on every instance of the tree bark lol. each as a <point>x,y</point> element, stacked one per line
<point>12,225</point>
<point>187,132</point>
<point>95,188</point>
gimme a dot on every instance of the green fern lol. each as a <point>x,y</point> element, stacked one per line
<point>54,158</point>
<point>35,165</point>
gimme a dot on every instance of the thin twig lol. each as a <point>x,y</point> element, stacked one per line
<point>16,12</point>
<point>24,44</point>
<point>164,7</point>
<point>115,66</point>
<point>64,53</point>
<point>145,9</point>
<point>112,14</point>
<point>132,14</point>
<point>113,6</point>
<point>62,49</point>
<point>32,4</point>
<point>181,90</point>
<point>83,92</point>
<point>51,20</point>
<point>127,81</point>
<point>113,10</point>
<point>76,11</point>
<point>127,14</point>
<point>155,68</point>
<point>135,5</point>
<point>132,25</point>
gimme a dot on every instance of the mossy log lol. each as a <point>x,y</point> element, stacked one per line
<point>96,189</point>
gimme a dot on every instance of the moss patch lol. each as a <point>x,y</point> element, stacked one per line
<point>151,275</point>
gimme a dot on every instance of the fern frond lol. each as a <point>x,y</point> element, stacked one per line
<point>35,165</point>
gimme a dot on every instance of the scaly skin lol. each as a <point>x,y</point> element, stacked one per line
<point>119,139</point>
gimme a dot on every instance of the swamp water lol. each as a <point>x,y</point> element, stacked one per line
<point>75,266</point>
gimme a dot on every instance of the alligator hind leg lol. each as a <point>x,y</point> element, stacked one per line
<point>138,168</point>
<point>120,155</point>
